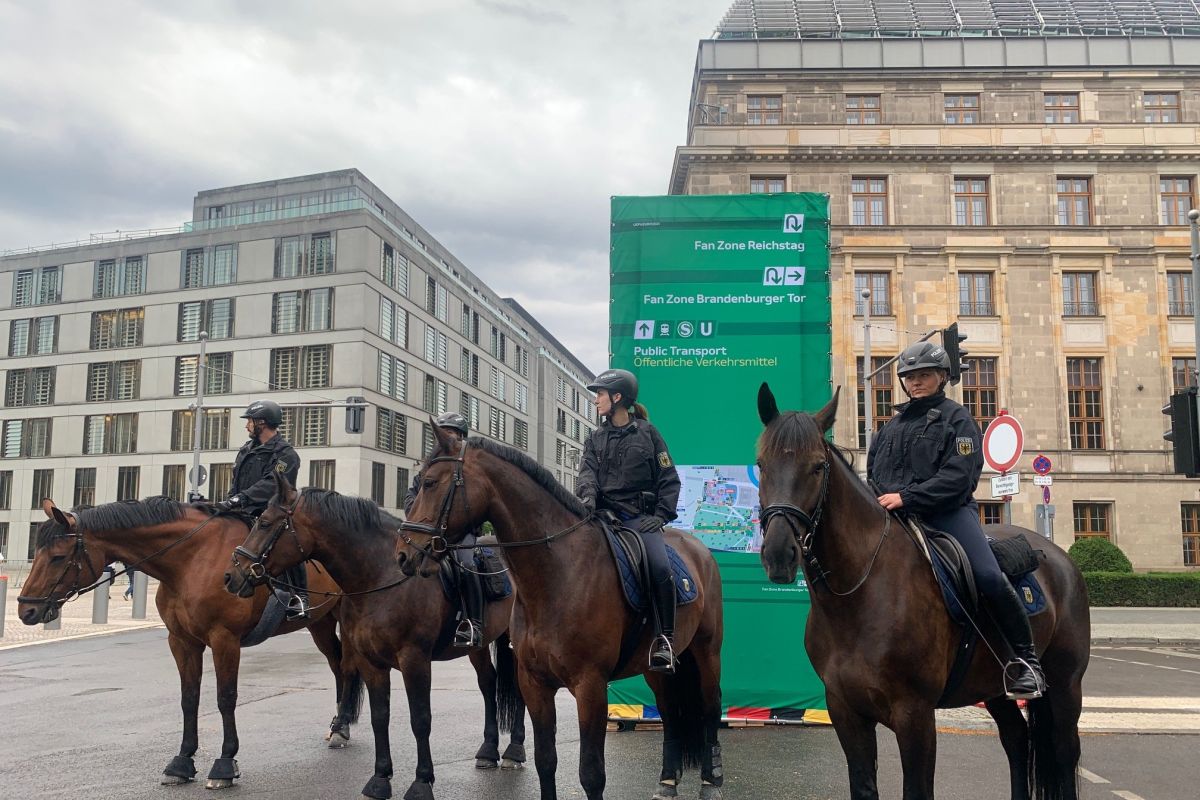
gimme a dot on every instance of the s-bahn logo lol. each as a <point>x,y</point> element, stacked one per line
<point>793,223</point>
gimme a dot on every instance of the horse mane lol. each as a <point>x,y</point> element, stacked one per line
<point>536,472</point>
<point>121,515</point>
<point>795,431</point>
<point>347,512</point>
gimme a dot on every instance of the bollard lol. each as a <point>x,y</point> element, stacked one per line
<point>100,601</point>
<point>140,584</point>
<point>54,624</point>
<point>3,600</point>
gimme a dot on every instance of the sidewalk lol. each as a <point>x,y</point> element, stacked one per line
<point>1146,626</point>
<point>77,618</point>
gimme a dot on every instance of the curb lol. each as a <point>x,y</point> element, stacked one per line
<point>76,636</point>
<point>1117,641</point>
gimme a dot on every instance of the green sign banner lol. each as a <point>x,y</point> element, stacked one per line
<point>711,296</point>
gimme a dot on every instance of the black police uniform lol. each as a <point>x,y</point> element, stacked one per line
<point>629,471</point>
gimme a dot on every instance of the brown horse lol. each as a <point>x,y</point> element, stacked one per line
<point>571,627</point>
<point>879,635</point>
<point>405,626</point>
<point>184,547</point>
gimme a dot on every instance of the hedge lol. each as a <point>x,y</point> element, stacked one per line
<point>1169,589</point>
<point>1097,554</point>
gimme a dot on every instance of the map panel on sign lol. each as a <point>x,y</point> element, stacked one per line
<point>719,505</point>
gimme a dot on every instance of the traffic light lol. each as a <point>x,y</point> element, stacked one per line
<point>356,413</point>
<point>952,343</point>
<point>1184,434</point>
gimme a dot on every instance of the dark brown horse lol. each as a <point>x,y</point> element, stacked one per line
<point>185,548</point>
<point>879,635</point>
<point>571,626</point>
<point>405,626</point>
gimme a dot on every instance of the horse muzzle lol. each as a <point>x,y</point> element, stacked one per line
<point>238,583</point>
<point>33,613</point>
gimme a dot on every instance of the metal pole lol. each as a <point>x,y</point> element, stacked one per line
<point>1194,218</point>
<point>197,417</point>
<point>140,584</point>
<point>3,600</point>
<point>868,397</point>
<point>100,601</point>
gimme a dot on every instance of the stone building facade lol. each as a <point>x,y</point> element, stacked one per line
<point>1032,186</point>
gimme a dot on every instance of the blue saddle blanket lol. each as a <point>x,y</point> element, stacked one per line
<point>685,585</point>
<point>1033,597</point>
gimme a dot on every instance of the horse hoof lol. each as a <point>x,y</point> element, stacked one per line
<point>338,739</point>
<point>420,790</point>
<point>710,792</point>
<point>508,763</point>
<point>666,791</point>
<point>378,788</point>
<point>486,763</point>
<point>182,769</point>
<point>223,773</point>
<point>175,780</point>
<point>514,756</point>
<point>218,783</point>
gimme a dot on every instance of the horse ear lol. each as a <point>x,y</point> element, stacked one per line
<point>445,440</point>
<point>826,415</point>
<point>767,409</point>
<point>57,514</point>
<point>283,488</point>
<point>49,507</point>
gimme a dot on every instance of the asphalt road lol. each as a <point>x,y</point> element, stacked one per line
<point>100,717</point>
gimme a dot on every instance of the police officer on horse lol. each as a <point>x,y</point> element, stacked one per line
<point>254,469</point>
<point>926,461</point>
<point>469,632</point>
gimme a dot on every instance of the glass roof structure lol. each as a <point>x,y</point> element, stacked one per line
<point>857,19</point>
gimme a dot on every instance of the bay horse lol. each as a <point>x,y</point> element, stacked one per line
<point>184,547</point>
<point>879,635</point>
<point>571,626</point>
<point>406,625</point>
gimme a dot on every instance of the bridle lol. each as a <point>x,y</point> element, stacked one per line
<point>438,545</point>
<point>256,569</point>
<point>79,557</point>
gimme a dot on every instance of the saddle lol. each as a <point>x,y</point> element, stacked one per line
<point>492,573</point>
<point>1018,561</point>
<point>629,553</point>
<point>272,617</point>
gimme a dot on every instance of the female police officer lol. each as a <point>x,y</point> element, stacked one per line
<point>926,461</point>
<point>627,470</point>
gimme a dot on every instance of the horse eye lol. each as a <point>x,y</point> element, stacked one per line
<point>428,483</point>
<point>817,469</point>
<point>57,559</point>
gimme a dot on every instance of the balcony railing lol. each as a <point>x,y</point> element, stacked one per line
<point>1088,309</point>
<point>1180,308</point>
<point>883,309</point>
<point>983,308</point>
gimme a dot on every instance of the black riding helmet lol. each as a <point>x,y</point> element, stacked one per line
<point>617,381</point>
<point>266,410</point>
<point>923,355</point>
<point>454,421</point>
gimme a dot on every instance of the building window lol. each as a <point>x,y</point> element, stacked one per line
<point>523,361</point>
<point>1074,201</point>
<point>117,380</point>
<point>212,316</point>
<point>43,486</point>
<point>37,287</point>
<point>1179,294</point>
<point>402,482</point>
<point>305,310</point>
<point>975,294</point>
<point>498,390</point>
<point>962,109</point>
<point>393,322</point>
<point>305,426</point>
<point>764,109</point>
<point>304,255</point>
<point>520,434</point>
<point>174,484</point>
<point>393,269</point>
<point>218,374</point>
<point>210,266</point>
<point>882,391</point>
<point>991,513</point>
<point>393,377</point>
<point>521,398</point>
<point>26,438</point>
<point>971,201</point>
<point>4,548</point>
<point>427,440</point>
<point>436,396</point>
<point>109,433</point>
<point>31,337</point>
<point>377,483</point>
<point>85,487</point>
<point>1091,519</point>
<point>862,109</point>
<point>980,390</point>
<point>560,421</point>
<point>1085,406</point>
<point>880,284</point>
<point>1079,294</point>
<point>437,349</point>
<point>1161,106</point>
<point>116,277</point>
<point>301,367</point>
<point>768,184</point>
<point>868,201</point>
<point>322,474</point>
<point>1062,108</point>
<point>499,345</point>
<point>469,408</point>
<point>6,490</point>
<point>391,431</point>
<point>1190,522</point>
<point>29,387</point>
<point>497,424</point>
<point>214,430</point>
<point>1176,197</point>
<point>436,299</point>
<point>1183,373</point>
<point>220,480</point>
<point>113,329</point>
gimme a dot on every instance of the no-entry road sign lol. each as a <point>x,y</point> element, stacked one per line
<point>1003,442</point>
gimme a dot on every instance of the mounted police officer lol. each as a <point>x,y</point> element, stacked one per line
<point>469,632</point>
<point>926,461</point>
<point>627,470</point>
<point>265,454</point>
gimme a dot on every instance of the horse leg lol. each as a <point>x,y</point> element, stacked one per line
<point>510,707</point>
<point>856,734</point>
<point>324,634</point>
<point>379,694</point>
<point>227,657</point>
<point>189,659</point>
<point>1014,735</point>
<point>672,748</point>
<point>488,755</point>
<point>417,684</point>
<point>916,732</point>
<point>1054,734</point>
<point>712,772</point>
<point>591,700</point>
<point>539,699</point>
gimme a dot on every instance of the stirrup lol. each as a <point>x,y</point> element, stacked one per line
<point>662,655</point>
<point>1025,671</point>
<point>468,634</point>
<point>297,608</point>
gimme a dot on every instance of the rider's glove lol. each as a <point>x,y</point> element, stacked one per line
<point>230,504</point>
<point>589,503</point>
<point>651,524</point>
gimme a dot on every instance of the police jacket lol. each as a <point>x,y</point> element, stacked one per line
<point>254,468</point>
<point>930,453</point>
<point>620,463</point>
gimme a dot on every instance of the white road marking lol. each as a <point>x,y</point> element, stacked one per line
<point>1133,721</point>
<point>1145,703</point>
<point>1124,795</point>
<point>1158,651</point>
<point>1144,664</point>
<point>1091,776</point>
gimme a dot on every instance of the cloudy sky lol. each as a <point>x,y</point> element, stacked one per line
<point>502,126</point>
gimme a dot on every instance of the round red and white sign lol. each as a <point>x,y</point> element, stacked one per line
<point>1003,442</point>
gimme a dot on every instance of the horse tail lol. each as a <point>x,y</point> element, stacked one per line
<point>1048,778</point>
<point>685,708</point>
<point>352,697</point>
<point>510,706</point>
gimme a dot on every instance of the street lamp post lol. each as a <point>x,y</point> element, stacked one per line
<point>868,416</point>
<point>1194,218</point>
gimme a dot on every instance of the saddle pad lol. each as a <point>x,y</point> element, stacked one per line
<point>950,572</point>
<point>486,562</point>
<point>631,586</point>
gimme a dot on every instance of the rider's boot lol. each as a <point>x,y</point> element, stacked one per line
<point>469,632</point>
<point>297,579</point>
<point>1023,676</point>
<point>662,650</point>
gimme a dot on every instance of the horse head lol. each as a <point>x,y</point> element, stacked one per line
<point>794,466</point>
<point>62,565</point>
<point>447,507</point>
<point>266,551</point>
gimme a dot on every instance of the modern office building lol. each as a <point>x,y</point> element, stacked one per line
<point>311,290</point>
<point>1022,168</point>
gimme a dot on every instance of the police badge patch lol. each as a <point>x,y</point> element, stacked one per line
<point>664,460</point>
<point>281,467</point>
<point>966,445</point>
